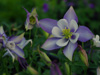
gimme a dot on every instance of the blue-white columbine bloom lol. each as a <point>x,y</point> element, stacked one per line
<point>14,46</point>
<point>65,33</point>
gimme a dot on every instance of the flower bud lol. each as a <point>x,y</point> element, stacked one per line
<point>83,56</point>
<point>45,58</point>
<point>67,69</point>
<point>32,70</point>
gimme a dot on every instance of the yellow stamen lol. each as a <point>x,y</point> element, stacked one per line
<point>66,33</point>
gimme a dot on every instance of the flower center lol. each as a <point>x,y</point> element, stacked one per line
<point>32,20</point>
<point>66,33</point>
<point>10,45</point>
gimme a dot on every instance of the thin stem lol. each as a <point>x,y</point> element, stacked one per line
<point>83,45</point>
<point>30,34</point>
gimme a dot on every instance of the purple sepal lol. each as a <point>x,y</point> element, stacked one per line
<point>71,15</point>
<point>47,24</point>
<point>84,34</point>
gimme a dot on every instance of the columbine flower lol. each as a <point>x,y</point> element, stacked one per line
<point>65,33</point>
<point>96,41</point>
<point>31,19</point>
<point>14,46</point>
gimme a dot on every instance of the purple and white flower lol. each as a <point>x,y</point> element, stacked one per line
<point>65,33</point>
<point>14,46</point>
<point>31,19</point>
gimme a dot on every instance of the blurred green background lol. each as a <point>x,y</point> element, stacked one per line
<point>88,11</point>
<point>13,17</point>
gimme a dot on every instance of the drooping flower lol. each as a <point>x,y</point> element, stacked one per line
<point>14,46</point>
<point>96,41</point>
<point>45,7</point>
<point>65,33</point>
<point>31,19</point>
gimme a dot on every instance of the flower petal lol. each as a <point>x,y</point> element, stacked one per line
<point>47,24</point>
<point>74,38</point>
<point>73,26</point>
<point>70,15</point>
<point>18,51</point>
<point>84,34</point>
<point>24,42</point>
<point>56,32</point>
<point>17,39</point>
<point>62,23</point>
<point>9,53</point>
<point>2,31</point>
<point>69,50</point>
<point>50,44</point>
<point>62,42</point>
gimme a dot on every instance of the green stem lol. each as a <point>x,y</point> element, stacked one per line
<point>83,45</point>
<point>36,32</point>
<point>85,71</point>
<point>30,34</point>
<point>91,50</point>
<point>9,32</point>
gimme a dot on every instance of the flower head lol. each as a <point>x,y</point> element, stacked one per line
<point>31,19</point>
<point>65,33</point>
<point>14,46</point>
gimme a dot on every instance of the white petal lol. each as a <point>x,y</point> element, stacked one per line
<point>74,38</point>
<point>62,42</point>
<point>73,26</point>
<point>1,30</point>
<point>13,57</point>
<point>24,42</point>
<point>56,32</point>
<point>62,23</point>
<point>7,53</point>
<point>97,37</point>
